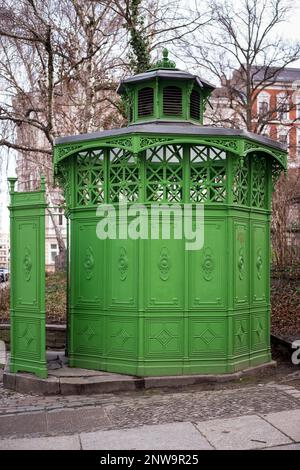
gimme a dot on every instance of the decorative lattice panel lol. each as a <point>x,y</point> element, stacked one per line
<point>164,173</point>
<point>208,174</point>
<point>90,177</point>
<point>258,193</point>
<point>63,178</point>
<point>123,176</point>
<point>241,182</point>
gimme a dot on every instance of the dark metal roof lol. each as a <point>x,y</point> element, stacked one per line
<point>275,74</point>
<point>180,128</point>
<point>164,73</point>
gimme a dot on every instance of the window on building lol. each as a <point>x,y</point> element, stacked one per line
<point>263,103</point>
<point>282,107</point>
<point>282,136</point>
<point>53,252</point>
<point>266,131</point>
<point>60,216</point>
<point>298,109</point>
<point>298,144</point>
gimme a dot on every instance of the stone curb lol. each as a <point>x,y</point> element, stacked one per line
<point>28,383</point>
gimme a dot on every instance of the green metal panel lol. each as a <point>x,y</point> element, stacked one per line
<point>27,303</point>
<point>149,307</point>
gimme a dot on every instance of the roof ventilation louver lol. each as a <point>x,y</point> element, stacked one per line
<point>145,101</point>
<point>172,101</point>
<point>195,105</point>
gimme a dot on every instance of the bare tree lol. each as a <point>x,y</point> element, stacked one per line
<point>286,220</point>
<point>56,65</point>
<point>242,51</point>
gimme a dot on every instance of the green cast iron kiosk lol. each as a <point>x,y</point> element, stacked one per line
<point>151,307</point>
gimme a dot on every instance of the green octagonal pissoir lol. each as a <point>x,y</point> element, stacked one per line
<point>149,306</point>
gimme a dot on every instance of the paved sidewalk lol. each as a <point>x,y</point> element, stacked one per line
<point>271,431</point>
<point>251,415</point>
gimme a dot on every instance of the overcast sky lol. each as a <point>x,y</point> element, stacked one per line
<point>290,30</point>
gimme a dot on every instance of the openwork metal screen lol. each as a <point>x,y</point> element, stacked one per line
<point>258,193</point>
<point>159,173</point>
<point>123,176</point>
<point>172,100</point>
<point>208,174</point>
<point>241,182</point>
<point>195,105</point>
<point>164,173</point>
<point>145,101</point>
<point>90,177</point>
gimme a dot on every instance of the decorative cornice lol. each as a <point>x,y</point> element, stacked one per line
<point>138,142</point>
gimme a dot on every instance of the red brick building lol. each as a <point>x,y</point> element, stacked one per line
<point>279,102</point>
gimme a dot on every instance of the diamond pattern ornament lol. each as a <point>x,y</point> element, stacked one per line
<point>259,329</point>
<point>241,333</point>
<point>164,337</point>
<point>88,333</point>
<point>208,336</point>
<point>27,337</point>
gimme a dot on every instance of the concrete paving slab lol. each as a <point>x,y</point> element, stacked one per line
<point>76,420</point>
<point>22,424</point>
<point>90,385</point>
<point>287,422</point>
<point>245,432</point>
<point>157,437</point>
<point>69,372</point>
<point>42,443</point>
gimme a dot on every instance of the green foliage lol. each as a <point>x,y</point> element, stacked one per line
<point>139,54</point>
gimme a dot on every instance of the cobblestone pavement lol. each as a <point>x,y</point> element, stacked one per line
<point>148,407</point>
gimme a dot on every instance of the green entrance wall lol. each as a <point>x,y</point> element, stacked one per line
<point>27,292</point>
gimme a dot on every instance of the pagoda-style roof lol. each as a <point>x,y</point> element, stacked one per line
<point>172,74</point>
<point>168,109</point>
<point>165,69</point>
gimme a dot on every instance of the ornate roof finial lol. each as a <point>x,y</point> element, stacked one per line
<point>165,63</point>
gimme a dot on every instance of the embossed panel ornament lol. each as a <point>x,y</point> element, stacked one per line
<point>241,263</point>
<point>164,264</point>
<point>208,264</point>
<point>27,264</point>
<point>259,263</point>
<point>123,263</point>
<point>89,263</point>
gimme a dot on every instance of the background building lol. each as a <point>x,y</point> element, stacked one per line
<point>4,250</point>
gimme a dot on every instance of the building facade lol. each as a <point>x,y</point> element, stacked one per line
<point>4,250</point>
<point>279,99</point>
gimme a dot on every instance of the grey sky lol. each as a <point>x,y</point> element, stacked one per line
<point>290,30</point>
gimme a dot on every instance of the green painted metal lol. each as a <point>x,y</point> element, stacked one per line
<point>27,301</point>
<point>137,142</point>
<point>150,307</point>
